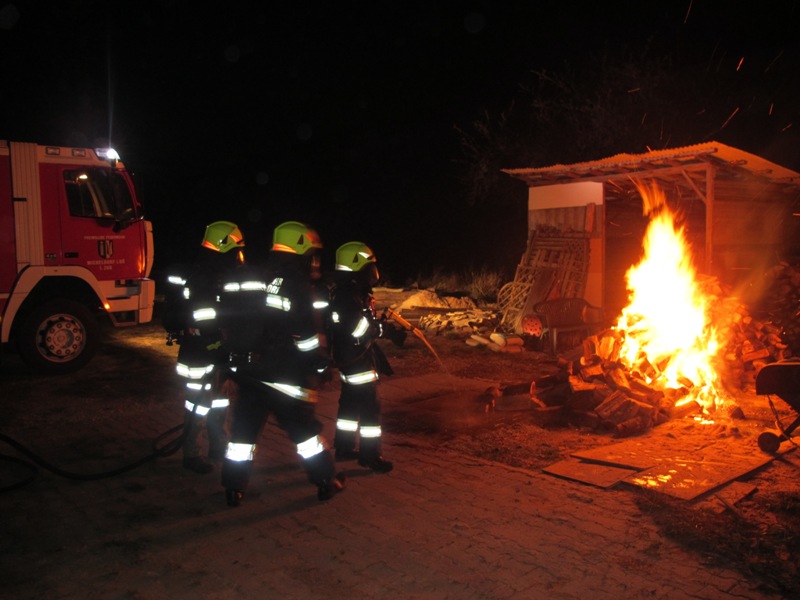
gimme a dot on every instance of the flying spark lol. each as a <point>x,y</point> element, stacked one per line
<point>728,120</point>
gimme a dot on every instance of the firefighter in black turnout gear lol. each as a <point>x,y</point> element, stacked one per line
<point>354,328</point>
<point>277,360</point>
<point>190,318</point>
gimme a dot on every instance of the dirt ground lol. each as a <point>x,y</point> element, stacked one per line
<point>758,534</point>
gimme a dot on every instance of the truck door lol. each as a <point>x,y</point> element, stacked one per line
<point>101,228</point>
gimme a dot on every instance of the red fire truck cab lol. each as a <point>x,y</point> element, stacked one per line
<point>75,251</point>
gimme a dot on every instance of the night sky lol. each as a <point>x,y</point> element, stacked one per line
<point>339,113</point>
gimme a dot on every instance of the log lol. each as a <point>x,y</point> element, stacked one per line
<point>617,378</point>
<point>608,347</point>
<point>632,426</point>
<point>619,407</point>
<point>646,392</point>
<point>498,338</point>
<point>584,419</point>
<point>515,340</point>
<point>556,395</point>
<point>685,409</point>
<point>586,396</point>
<point>592,372</point>
<point>616,408</point>
<point>512,349</point>
<point>578,385</point>
<point>755,354</point>
<point>646,368</point>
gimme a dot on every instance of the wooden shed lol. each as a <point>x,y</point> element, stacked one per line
<point>586,222</point>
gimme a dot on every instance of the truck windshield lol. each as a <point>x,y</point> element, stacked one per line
<point>98,193</point>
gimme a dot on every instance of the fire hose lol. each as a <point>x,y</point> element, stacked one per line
<point>169,448</point>
<point>388,312</point>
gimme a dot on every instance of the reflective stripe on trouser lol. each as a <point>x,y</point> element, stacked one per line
<point>360,378</point>
<point>194,372</point>
<point>240,452</point>
<point>371,432</point>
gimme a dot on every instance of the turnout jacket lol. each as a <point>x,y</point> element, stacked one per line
<point>270,333</point>
<point>191,316</point>
<point>353,329</point>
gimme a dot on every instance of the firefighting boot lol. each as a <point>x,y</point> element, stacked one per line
<point>330,487</point>
<point>234,478</point>
<point>234,497</point>
<point>371,456</point>
<point>377,464</point>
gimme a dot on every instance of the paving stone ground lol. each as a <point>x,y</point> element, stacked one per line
<point>441,525</point>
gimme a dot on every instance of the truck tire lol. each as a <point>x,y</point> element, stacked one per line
<point>58,337</point>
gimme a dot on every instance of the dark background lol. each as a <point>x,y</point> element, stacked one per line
<point>346,114</point>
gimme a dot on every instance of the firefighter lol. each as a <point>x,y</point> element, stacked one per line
<point>354,329</point>
<point>277,360</point>
<point>190,319</point>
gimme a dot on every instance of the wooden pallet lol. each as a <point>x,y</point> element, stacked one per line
<point>555,265</point>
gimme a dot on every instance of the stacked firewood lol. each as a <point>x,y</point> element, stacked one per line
<point>779,304</point>
<point>752,337</point>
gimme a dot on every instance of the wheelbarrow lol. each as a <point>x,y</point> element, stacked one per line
<point>781,379</point>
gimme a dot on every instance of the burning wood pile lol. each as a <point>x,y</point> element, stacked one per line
<point>597,388</point>
<point>681,347</point>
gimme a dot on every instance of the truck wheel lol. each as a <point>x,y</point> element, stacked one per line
<point>59,337</point>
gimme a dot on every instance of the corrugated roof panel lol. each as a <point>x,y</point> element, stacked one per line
<point>622,165</point>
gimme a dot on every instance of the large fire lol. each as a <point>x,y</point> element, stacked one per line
<point>667,330</point>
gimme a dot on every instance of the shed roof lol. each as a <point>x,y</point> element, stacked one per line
<point>670,164</point>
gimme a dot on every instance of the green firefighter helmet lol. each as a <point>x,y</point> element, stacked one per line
<point>295,238</point>
<point>222,236</point>
<point>353,256</point>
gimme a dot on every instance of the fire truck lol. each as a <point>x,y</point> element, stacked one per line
<point>75,253</point>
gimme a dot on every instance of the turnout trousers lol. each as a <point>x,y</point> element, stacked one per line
<point>204,406</point>
<point>204,402</point>
<point>358,420</point>
<point>255,403</point>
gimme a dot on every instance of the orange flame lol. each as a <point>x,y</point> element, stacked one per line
<point>666,325</point>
